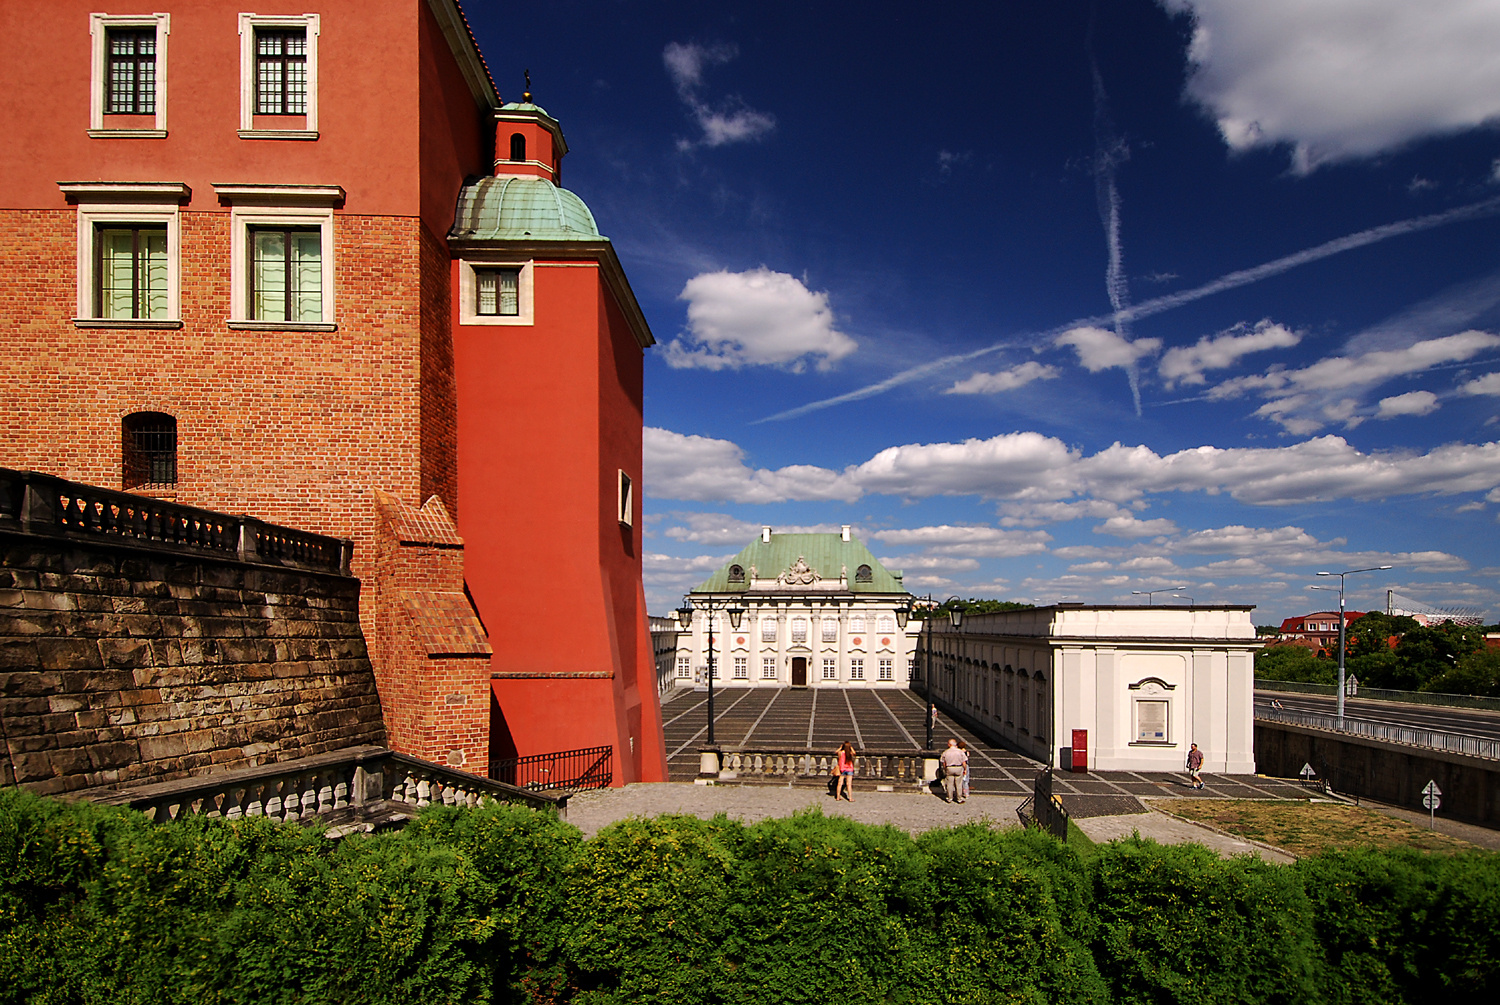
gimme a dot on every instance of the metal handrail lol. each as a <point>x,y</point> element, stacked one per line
<point>1430,698</point>
<point>584,768</point>
<point>1389,732</point>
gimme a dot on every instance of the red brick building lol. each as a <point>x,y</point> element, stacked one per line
<point>1320,628</point>
<point>233,275</point>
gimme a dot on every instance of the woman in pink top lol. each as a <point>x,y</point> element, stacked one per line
<point>846,772</point>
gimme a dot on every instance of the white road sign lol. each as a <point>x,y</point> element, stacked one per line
<point>1431,801</point>
<point>1307,771</point>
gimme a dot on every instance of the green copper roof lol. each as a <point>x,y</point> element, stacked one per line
<point>521,208</point>
<point>829,555</point>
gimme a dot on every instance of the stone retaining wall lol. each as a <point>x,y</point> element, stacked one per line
<point>120,665</point>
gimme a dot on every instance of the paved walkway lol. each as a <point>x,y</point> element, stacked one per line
<point>822,718</point>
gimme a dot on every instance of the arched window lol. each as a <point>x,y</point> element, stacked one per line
<point>517,147</point>
<point>736,574</point>
<point>149,451</point>
<point>864,575</point>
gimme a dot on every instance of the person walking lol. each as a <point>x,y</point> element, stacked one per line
<point>1195,767</point>
<point>963,788</point>
<point>845,785</point>
<point>953,762</point>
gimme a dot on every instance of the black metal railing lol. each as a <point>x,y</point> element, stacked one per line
<point>36,503</point>
<point>1043,809</point>
<point>585,768</point>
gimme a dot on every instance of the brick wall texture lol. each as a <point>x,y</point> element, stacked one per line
<point>121,666</point>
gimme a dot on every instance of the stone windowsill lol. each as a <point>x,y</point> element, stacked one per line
<point>127,323</point>
<point>284,326</point>
<point>128,134</point>
<point>278,134</point>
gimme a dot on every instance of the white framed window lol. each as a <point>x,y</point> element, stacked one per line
<point>830,669</point>
<point>857,624</point>
<point>282,255</point>
<point>768,629</point>
<point>768,667</point>
<point>279,77</point>
<point>856,669</point>
<point>885,623</point>
<point>625,501</point>
<point>1153,721</point>
<point>496,292</point>
<point>799,629</point>
<point>128,75</point>
<point>887,669</point>
<point>684,668</point>
<point>128,257</point>
<point>830,629</point>
<point>741,668</point>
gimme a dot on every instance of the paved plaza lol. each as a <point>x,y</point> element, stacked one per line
<point>819,719</point>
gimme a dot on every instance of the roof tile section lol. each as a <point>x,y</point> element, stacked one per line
<point>431,525</point>
<point>775,565</point>
<point>515,208</point>
<point>444,624</point>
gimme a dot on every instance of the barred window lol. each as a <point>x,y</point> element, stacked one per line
<point>830,669</point>
<point>130,76</point>
<point>149,451</point>
<point>281,72</point>
<point>799,629</point>
<point>856,669</point>
<point>130,272</point>
<point>286,274</point>
<point>768,629</point>
<point>887,669</point>
<point>768,667</point>
<point>741,668</point>
<point>497,292</point>
<point>830,629</point>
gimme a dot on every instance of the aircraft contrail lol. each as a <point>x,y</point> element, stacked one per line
<point>1170,301</point>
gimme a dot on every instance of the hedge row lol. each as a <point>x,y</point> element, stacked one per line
<point>506,904</point>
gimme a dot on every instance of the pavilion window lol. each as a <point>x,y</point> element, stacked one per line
<point>286,275</point>
<point>130,273</point>
<point>799,629</point>
<point>497,292</point>
<point>830,629</point>
<point>864,574</point>
<point>281,72</point>
<point>130,77</point>
<point>517,147</point>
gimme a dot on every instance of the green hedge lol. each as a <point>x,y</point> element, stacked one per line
<point>509,905</point>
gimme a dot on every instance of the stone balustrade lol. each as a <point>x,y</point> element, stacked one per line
<point>361,788</point>
<point>894,766</point>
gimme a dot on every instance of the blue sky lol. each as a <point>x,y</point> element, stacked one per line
<point>1050,299</point>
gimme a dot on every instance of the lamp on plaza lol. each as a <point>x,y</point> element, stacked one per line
<point>1342,625</point>
<point>1190,600</point>
<point>1150,595</point>
<point>709,606</point>
<point>956,617</point>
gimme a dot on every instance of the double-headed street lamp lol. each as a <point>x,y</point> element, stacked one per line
<point>708,605</point>
<point>1150,595</point>
<point>1341,575</point>
<point>956,615</point>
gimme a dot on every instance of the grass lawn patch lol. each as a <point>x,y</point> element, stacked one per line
<point>1308,828</point>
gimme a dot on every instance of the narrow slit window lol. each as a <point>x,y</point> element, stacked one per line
<point>517,147</point>
<point>149,451</point>
<point>627,500</point>
<point>281,72</point>
<point>130,80</point>
<point>286,275</point>
<point>498,292</point>
<point>130,272</point>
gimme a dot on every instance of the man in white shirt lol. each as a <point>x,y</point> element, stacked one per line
<point>952,762</point>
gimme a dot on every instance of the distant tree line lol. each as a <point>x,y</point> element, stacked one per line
<point>1443,658</point>
<point>974,605</point>
<point>504,904</point>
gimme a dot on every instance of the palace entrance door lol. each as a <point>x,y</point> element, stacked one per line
<point>799,671</point>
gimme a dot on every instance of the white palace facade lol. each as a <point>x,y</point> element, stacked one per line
<point>814,610</point>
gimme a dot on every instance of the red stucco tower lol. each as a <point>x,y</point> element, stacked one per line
<point>240,270</point>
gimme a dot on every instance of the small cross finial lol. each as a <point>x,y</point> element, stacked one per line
<point>526,94</point>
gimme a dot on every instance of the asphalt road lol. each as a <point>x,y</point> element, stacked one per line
<point>1468,721</point>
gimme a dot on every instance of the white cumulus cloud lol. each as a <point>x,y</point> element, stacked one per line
<point>1126,525</point>
<point>1488,384</point>
<point>704,469</point>
<point>1410,403</point>
<point>967,540</point>
<point>1100,349</point>
<point>756,318</point>
<point>1343,79</point>
<point>1186,364</point>
<point>1006,380</point>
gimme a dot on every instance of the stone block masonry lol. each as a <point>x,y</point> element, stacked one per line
<point>122,665</point>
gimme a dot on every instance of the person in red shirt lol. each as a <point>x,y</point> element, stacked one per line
<point>846,773</point>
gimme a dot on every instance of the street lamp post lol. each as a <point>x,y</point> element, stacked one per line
<point>1190,600</point>
<point>1150,595</point>
<point>1343,626</point>
<point>956,616</point>
<point>709,606</point>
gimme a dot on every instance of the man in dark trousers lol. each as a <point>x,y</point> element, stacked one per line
<point>1195,767</point>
